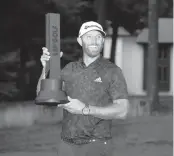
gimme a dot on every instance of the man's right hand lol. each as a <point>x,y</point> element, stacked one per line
<point>46,56</point>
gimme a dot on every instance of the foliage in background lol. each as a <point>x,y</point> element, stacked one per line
<point>23,32</point>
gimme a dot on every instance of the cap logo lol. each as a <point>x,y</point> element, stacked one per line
<point>88,26</point>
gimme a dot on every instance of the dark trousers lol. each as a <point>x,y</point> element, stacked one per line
<point>95,148</point>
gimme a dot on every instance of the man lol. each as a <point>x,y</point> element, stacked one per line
<point>97,93</point>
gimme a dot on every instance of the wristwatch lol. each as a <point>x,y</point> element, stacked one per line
<point>86,110</point>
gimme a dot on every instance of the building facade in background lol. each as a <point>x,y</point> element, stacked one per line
<point>131,56</point>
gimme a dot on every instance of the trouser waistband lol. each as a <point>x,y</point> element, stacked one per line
<point>81,141</point>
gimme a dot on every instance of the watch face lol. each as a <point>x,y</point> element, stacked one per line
<point>86,110</point>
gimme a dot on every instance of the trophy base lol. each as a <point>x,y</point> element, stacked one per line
<point>50,102</point>
<point>53,99</point>
<point>51,95</point>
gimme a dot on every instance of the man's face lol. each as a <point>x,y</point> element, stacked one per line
<point>92,43</point>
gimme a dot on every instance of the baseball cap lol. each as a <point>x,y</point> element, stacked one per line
<point>88,26</point>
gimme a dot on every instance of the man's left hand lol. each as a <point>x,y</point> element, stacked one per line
<point>75,106</point>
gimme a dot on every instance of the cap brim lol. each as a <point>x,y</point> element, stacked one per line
<point>103,33</point>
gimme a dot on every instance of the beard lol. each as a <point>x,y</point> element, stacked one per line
<point>93,50</point>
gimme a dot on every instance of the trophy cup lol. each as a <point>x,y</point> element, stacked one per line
<point>51,93</point>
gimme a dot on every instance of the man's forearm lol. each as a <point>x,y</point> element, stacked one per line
<point>42,76</point>
<point>113,111</point>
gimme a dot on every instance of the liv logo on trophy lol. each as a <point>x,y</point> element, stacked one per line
<point>51,93</point>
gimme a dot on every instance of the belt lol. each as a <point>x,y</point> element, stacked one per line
<point>80,141</point>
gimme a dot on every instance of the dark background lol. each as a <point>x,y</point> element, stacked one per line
<point>23,34</point>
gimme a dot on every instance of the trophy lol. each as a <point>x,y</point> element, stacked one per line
<point>51,93</point>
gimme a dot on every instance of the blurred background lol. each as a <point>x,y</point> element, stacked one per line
<point>139,40</point>
<point>23,35</point>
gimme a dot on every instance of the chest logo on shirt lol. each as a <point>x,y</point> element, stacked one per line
<point>98,80</point>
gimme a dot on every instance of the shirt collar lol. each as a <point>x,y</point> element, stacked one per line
<point>93,64</point>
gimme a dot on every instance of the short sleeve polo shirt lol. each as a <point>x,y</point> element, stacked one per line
<point>97,84</point>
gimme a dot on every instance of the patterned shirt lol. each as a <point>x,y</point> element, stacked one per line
<point>97,84</point>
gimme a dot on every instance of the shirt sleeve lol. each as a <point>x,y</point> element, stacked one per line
<point>66,71</point>
<point>117,85</point>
